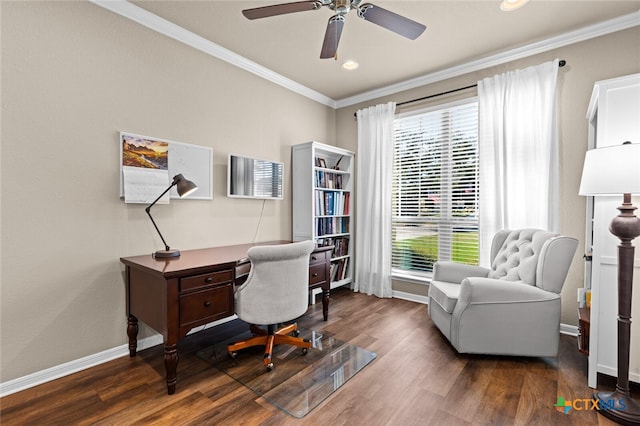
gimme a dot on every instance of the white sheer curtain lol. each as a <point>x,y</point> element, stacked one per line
<point>373,212</point>
<point>518,147</point>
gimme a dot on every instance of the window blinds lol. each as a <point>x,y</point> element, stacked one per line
<point>435,188</point>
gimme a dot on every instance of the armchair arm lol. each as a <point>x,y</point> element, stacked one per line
<point>452,272</point>
<point>555,259</point>
<point>505,317</point>
<point>476,291</point>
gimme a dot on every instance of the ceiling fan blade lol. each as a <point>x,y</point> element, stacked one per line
<point>281,9</point>
<point>391,21</point>
<point>332,37</point>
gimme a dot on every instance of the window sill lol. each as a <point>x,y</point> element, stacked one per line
<point>411,278</point>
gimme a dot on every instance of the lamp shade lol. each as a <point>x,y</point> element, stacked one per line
<point>612,170</point>
<point>184,186</point>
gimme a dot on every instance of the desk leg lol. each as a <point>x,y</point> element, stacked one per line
<point>171,366</point>
<point>325,303</point>
<point>132,332</point>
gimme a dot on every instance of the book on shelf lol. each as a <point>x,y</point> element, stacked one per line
<point>339,269</point>
<point>329,180</point>
<point>332,225</point>
<point>340,245</point>
<point>331,203</point>
<point>347,197</point>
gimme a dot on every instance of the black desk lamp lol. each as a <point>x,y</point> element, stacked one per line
<point>184,187</point>
<point>615,170</point>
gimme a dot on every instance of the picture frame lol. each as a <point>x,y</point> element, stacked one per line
<point>194,161</point>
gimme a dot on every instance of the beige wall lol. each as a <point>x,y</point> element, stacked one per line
<point>587,62</point>
<point>73,76</point>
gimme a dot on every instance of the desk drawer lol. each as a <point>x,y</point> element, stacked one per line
<point>317,274</point>
<point>206,305</point>
<point>319,257</point>
<point>204,280</point>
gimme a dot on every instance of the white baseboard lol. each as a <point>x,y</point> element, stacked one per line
<point>570,330</point>
<point>613,372</point>
<point>410,297</point>
<point>58,371</point>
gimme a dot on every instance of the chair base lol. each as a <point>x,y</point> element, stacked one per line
<point>270,338</point>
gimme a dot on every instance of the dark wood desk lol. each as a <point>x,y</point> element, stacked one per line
<point>172,296</point>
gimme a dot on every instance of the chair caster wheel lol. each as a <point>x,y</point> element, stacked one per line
<point>296,333</point>
<point>269,366</point>
<point>305,351</point>
<point>233,355</point>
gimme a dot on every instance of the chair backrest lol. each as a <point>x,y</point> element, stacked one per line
<point>534,256</point>
<point>278,284</point>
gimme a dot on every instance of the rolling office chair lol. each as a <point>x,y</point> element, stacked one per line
<point>275,292</point>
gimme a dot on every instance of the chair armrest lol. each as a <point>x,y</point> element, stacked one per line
<point>478,291</point>
<point>506,318</point>
<point>453,272</point>
<point>555,259</point>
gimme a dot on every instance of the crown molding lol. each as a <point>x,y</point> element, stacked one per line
<point>600,29</point>
<point>169,29</point>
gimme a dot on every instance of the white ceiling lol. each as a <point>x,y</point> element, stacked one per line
<point>458,33</point>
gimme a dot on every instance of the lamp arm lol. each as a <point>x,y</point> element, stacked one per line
<point>148,210</point>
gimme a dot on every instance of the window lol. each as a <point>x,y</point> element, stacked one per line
<point>435,188</point>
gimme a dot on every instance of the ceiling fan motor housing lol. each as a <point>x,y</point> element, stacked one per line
<point>342,7</point>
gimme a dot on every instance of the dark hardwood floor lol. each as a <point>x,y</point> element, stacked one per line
<point>417,379</point>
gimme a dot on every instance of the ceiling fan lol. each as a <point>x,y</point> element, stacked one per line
<point>367,11</point>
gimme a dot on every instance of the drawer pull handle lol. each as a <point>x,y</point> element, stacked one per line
<point>208,280</point>
<point>207,304</point>
<point>314,258</point>
<point>315,274</point>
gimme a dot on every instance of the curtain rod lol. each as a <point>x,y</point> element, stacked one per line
<point>561,64</point>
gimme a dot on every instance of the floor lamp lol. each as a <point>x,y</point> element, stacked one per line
<point>615,170</point>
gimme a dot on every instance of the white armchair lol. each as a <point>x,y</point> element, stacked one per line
<point>512,308</point>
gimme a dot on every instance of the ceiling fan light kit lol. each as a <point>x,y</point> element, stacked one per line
<point>350,65</point>
<point>509,5</point>
<point>369,12</point>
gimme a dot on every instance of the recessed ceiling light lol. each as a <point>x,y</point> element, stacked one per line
<point>350,65</point>
<point>509,5</point>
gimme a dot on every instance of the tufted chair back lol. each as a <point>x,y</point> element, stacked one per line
<point>532,256</point>
<point>515,254</point>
